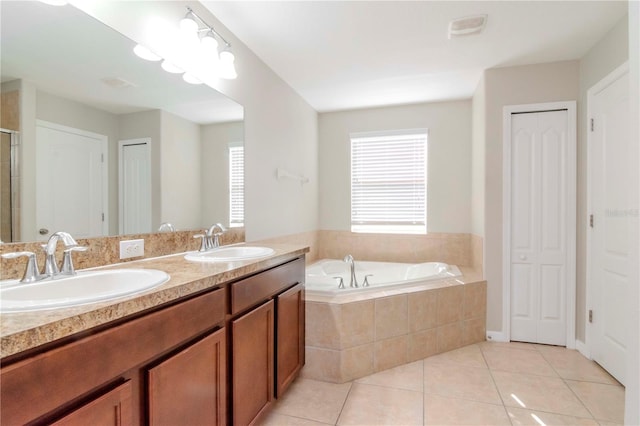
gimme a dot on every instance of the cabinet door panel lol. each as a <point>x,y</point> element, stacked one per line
<point>189,387</point>
<point>252,348</point>
<point>111,409</point>
<point>290,336</point>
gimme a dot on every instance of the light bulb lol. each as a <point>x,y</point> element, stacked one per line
<point>169,67</point>
<point>144,53</point>
<point>188,24</point>
<point>189,78</point>
<point>209,43</point>
<point>227,68</point>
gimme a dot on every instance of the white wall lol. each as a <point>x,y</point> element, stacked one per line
<point>605,56</point>
<point>215,140</point>
<point>280,127</point>
<point>448,169</point>
<point>180,182</point>
<point>528,84</point>
<point>478,124</point>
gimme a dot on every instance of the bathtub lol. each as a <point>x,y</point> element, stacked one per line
<point>408,312</point>
<point>323,277</point>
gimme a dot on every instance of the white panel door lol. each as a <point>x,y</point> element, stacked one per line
<point>609,254</point>
<point>69,182</point>
<point>135,186</point>
<point>539,203</point>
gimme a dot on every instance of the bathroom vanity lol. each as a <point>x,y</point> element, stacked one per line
<point>213,346</point>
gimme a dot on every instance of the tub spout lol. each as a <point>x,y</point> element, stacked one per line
<point>353,282</point>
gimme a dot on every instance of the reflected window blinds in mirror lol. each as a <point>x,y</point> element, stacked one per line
<point>190,49</point>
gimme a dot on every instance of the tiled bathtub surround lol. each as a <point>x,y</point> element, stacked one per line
<point>106,250</point>
<point>345,341</point>
<point>455,249</point>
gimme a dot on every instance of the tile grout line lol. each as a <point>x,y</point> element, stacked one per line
<point>504,407</point>
<point>344,402</point>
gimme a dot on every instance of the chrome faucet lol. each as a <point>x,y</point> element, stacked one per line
<point>210,238</point>
<point>353,282</point>
<point>50,266</point>
<point>213,238</point>
<point>50,270</point>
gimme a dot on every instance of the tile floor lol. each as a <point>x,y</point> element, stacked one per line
<point>481,384</point>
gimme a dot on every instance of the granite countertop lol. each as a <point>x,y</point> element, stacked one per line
<point>21,331</point>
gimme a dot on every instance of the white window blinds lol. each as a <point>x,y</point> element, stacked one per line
<point>389,182</point>
<point>236,185</point>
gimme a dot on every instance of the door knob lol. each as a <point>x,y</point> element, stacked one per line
<point>523,257</point>
<point>43,231</point>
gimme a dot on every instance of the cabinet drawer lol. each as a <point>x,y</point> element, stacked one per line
<point>253,290</point>
<point>38,385</point>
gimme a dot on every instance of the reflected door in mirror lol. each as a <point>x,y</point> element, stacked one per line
<point>71,181</point>
<point>135,186</point>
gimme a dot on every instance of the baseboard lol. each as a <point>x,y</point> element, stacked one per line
<point>583,349</point>
<point>496,336</point>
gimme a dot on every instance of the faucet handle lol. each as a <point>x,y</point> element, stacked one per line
<point>31,273</point>
<point>67,261</point>
<point>366,280</point>
<point>340,282</point>
<point>203,241</point>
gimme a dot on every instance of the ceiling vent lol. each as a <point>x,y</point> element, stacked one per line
<point>467,26</point>
<point>117,82</point>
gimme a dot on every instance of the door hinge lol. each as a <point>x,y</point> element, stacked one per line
<point>591,220</point>
<point>590,315</point>
<point>592,125</point>
<point>103,217</point>
<point>102,157</point>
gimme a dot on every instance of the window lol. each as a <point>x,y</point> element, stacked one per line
<point>389,182</point>
<point>236,184</point>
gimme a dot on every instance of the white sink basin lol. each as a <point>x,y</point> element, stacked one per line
<point>229,254</point>
<point>85,287</point>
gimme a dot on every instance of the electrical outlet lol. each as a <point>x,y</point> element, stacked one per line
<point>131,248</point>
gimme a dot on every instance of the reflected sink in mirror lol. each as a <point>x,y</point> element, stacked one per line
<point>85,287</point>
<point>229,254</point>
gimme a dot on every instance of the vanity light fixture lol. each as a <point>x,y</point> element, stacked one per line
<point>194,51</point>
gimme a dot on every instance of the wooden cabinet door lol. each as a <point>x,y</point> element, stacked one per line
<point>290,336</point>
<point>111,409</point>
<point>252,359</point>
<point>189,388</point>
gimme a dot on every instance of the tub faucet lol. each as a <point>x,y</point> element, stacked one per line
<point>353,282</point>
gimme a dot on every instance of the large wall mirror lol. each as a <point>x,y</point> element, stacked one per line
<point>97,141</point>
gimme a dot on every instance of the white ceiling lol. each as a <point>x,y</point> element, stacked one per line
<point>353,54</point>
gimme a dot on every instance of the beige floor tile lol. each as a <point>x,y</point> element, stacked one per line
<point>467,355</point>
<point>511,345</point>
<point>439,410</point>
<point>571,364</point>
<point>460,381</point>
<point>522,417</point>
<point>606,402</point>
<point>408,376</point>
<point>507,358</point>
<point>275,419</point>
<point>313,400</point>
<point>542,393</point>
<point>378,405</point>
